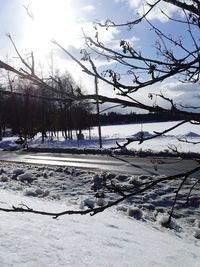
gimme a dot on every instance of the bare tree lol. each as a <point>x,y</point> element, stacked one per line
<point>173,59</point>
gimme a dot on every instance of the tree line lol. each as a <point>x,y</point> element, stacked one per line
<point>27,110</point>
<point>118,118</point>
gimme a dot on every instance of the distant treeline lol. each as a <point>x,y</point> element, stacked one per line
<point>117,118</point>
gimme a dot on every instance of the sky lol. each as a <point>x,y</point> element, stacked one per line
<point>33,24</point>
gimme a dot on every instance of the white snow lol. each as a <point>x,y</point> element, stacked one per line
<point>113,133</point>
<point>108,239</point>
<point>129,235</point>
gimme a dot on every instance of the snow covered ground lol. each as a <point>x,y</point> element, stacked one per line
<point>130,234</point>
<point>108,239</point>
<point>111,134</point>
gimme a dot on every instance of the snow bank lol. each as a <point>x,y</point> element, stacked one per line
<point>141,134</point>
<point>126,235</point>
<point>86,189</point>
<point>192,135</point>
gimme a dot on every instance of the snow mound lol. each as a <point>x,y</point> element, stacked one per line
<point>39,191</point>
<point>30,193</point>
<point>197,233</point>
<point>197,223</point>
<point>26,177</point>
<point>101,202</point>
<point>122,208</point>
<point>18,171</point>
<point>3,178</point>
<point>192,134</point>
<point>88,202</point>
<point>122,177</point>
<point>135,212</point>
<point>141,134</point>
<point>163,220</point>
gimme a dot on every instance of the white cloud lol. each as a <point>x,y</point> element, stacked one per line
<point>88,8</point>
<point>131,3</point>
<point>186,94</point>
<point>115,43</point>
<point>180,88</point>
<point>155,13</point>
<point>104,35</point>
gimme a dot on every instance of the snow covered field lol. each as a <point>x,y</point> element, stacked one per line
<point>114,133</point>
<point>130,234</point>
<point>111,134</point>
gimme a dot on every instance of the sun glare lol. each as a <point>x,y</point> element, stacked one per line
<point>48,20</point>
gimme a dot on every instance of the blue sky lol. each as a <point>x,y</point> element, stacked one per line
<point>63,20</point>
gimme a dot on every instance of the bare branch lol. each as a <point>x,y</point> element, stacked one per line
<point>142,139</point>
<point>190,192</point>
<point>130,24</point>
<point>29,13</point>
<point>185,140</point>
<point>185,6</point>
<point>175,199</point>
